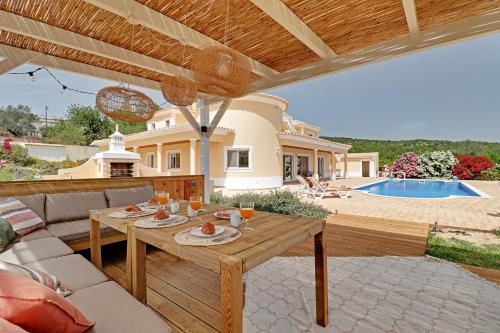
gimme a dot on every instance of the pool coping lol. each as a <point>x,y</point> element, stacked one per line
<point>482,195</point>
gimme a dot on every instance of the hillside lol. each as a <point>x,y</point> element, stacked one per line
<point>389,149</point>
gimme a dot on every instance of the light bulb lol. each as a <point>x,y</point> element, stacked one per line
<point>63,89</point>
<point>32,76</point>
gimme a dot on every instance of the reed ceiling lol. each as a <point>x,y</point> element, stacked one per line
<point>345,26</point>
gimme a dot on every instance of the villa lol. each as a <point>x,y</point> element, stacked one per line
<point>255,128</point>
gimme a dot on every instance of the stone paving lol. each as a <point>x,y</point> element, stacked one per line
<point>470,213</point>
<point>376,294</point>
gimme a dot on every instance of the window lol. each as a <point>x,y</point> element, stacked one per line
<point>238,158</point>
<point>150,160</point>
<point>174,160</point>
<point>152,126</point>
<point>310,134</point>
<point>167,123</point>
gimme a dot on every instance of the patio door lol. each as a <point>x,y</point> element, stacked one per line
<point>302,165</point>
<point>288,168</point>
<point>321,167</point>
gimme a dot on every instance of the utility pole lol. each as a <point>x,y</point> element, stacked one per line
<point>46,115</point>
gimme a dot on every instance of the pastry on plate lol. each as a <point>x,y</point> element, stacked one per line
<point>133,209</point>
<point>161,215</point>
<point>208,228</point>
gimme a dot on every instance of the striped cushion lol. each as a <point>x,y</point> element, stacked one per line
<point>22,219</point>
<point>41,277</point>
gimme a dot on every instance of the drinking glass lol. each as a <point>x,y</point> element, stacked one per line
<point>162,197</point>
<point>195,202</point>
<point>246,212</point>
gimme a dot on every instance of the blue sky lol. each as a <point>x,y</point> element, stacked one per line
<point>449,93</point>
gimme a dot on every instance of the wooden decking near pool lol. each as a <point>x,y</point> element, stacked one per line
<point>189,296</point>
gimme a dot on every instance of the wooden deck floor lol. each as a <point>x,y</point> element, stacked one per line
<point>187,297</point>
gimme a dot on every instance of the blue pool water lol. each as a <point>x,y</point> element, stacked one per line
<point>410,188</point>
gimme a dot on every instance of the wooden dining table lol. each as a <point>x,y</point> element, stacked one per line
<point>272,235</point>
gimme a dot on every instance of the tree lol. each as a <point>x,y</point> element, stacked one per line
<point>469,167</point>
<point>130,128</point>
<point>94,124</point>
<point>409,163</point>
<point>17,120</point>
<point>437,164</point>
<point>65,133</point>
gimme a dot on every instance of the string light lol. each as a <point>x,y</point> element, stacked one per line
<point>63,86</point>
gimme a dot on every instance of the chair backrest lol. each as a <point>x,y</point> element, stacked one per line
<point>315,183</point>
<point>302,180</point>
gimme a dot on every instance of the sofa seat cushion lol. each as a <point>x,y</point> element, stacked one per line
<point>37,234</point>
<point>118,197</point>
<point>72,206</point>
<point>75,230</point>
<point>73,270</point>
<point>34,250</point>
<point>115,310</point>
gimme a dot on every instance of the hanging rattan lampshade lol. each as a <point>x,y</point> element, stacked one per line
<point>122,103</point>
<point>179,90</point>
<point>219,70</point>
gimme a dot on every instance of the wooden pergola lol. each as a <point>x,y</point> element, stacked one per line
<point>286,41</point>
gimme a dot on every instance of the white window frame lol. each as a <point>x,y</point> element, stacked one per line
<point>152,155</point>
<point>238,169</point>
<point>152,126</point>
<point>177,151</point>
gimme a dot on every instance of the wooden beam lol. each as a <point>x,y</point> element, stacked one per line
<point>44,60</point>
<point>167,26</point>
<point>38,30</point>
<point>279,12</point>
<point>218,116</point>
<point>465,29</point>
<point>11,62</point>
<point>411,16</point>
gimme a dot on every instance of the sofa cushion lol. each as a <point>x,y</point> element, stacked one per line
<point>128,196</point>
<point>35,202</point>
<point>75,230</point>
<point>7,234</point>
<point>48,280</point>
<point>115,310</point>
<point>38,309</point>
<point>72,206</point>
<point>73,270</point>
<point>23,219</point>
<point>8,327</point>
<point>38,249</point>
<point>37,234</point>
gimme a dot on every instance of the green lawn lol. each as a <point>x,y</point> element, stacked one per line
<point>464,252</point>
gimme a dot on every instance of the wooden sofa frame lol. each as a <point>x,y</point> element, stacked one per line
<point>179,187</point>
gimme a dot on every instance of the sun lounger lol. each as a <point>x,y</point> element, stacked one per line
<point>304,186</point>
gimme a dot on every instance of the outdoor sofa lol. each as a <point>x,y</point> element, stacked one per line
<point>66,217</point>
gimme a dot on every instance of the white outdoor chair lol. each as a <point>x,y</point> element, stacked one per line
<point>319,190</point>
<point>304,186</point>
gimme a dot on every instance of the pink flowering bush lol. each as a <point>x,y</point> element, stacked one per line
<point>6,145</point>
<point>409,163</point>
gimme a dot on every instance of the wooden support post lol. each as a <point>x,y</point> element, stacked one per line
<point>231,292</point>
<point>138,265</point>
<point>321,270</point>
<point>95,243</point>
<point>129,263</point>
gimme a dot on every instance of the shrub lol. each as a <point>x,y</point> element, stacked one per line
<point>437,164</point>
<point>468,167</point>
<point>409,163</point>
<point>6,174</point>
<point>275,202</point>
<point>490,174</point>
<point>18,155</point>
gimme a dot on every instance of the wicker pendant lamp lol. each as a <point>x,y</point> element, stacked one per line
<point>219,70</point>
<point>179,90</point>
<point>122,103</point>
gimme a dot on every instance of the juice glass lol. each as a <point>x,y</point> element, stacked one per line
<point>195,202</point>
<point>162,197</point>
<point>246,212</point>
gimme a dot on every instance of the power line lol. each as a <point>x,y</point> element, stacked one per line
<point>64,87</point>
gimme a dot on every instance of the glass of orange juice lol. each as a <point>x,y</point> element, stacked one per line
<point>246,212</point>
<point>195,202</point>
<point>162,198</point>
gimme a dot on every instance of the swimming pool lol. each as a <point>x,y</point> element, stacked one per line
<point>424,189</point>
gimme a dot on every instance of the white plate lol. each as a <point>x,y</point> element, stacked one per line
<point>143,212</point>
<point>197,232</point>
<point>171,221</point>
<point>216,214</point>
<point>148,205</point>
